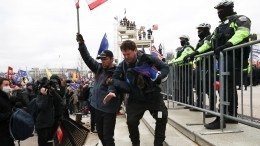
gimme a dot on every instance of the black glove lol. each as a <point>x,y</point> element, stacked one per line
<point>221,48</point>
<point>79,38</point>
<point>158,79</point>
<point>190,57</point>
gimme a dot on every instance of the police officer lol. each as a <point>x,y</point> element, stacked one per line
<point>143,90</point>
<point>184,70</point>
<point>233,30</point>
<point>203,46</point>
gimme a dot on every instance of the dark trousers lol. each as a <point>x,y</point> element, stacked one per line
<point>92,117</point>
<point>136,111</point>
<point>6,141</point>
<point>230,91</point>
<point>185,84</point>
<point>209,83</point>
<point>44,135</point>
<point>105,127</point>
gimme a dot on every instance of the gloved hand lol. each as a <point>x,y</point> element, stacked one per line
<point>79,38</point>
<point>221,48</point>
<point>190,57</point>
<point>158,79</point>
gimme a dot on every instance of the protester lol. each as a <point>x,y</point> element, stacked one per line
<point>5,113</point>
<point>142,89</point>
<point>105,111</point>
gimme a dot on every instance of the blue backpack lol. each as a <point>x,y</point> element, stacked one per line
<point>21,125</point>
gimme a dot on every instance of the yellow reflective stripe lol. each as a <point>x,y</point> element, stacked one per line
<point>183,54</point>
<point>206,46</point>
<point>239,36</point>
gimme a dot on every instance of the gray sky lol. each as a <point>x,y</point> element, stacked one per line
<point>41,33</point>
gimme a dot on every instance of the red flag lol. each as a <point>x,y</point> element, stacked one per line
<point>9,72</point>
<point>92,4</point>
<point>59,134</point>
<point>77,3</point>
<point>155,27</point>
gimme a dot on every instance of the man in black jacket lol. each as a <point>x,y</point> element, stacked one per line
<point>105,110</point>
<point>139,75</point>
<point>5,113</point>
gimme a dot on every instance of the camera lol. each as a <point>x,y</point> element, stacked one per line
<point>51,84</point>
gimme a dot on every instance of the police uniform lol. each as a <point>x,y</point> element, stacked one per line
<point>236,30</point>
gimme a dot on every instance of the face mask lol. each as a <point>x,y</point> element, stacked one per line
<point>7,89</point>
<point>183,43</point>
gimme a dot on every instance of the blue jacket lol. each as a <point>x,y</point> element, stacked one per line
<point>100,89</point>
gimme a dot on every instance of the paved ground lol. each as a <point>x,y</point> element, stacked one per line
<point>182,118</point>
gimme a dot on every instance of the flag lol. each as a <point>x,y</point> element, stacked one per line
<point>17,79</point>
<point>9,72</point>
<point>48,73</point>
<point>77,3</point>
<point>155,27</point>
<point>29,77</point>
<point>125,11</point>
<point>155,53</point>
<point>22,73</point>
<point>59,134</point>
<point>103,45</point>
<point>74,86</point>
<point>150,72</point>
<point>92,4</point>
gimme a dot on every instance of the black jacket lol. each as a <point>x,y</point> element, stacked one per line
<point>5,114</point>
<point>125,79</point>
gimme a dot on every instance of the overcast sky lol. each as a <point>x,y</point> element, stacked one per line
<point>42,33</point>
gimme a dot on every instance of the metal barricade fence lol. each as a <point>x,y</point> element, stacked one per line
<point>195,87</point>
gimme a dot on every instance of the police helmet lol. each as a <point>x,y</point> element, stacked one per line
<point>204,25</point>
<point>224,4</point>
<point>185,37</point>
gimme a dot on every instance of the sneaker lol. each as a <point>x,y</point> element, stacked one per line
<point>214,125</point>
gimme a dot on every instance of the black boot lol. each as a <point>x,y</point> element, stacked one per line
<point>208,115</point>
<point>215,124</point>
<point>229,121</point>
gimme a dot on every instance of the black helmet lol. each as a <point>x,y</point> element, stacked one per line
<point>224,4</point>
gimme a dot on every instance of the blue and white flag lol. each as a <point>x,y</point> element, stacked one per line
<point>22,73</point>
<point>74,86</point>
<point>103,45</point>
<point>150,72</point>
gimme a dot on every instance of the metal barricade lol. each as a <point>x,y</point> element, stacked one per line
<point>186,81</point>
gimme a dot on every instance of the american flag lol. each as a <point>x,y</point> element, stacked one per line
<point>154,52</point>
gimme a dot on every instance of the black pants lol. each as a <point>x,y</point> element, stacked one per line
<point>105,127</point>
<point>92,118</point>
<point>44,135</point>
<point>209,83</point>
<point>6,141</point>
<point>186,84</point>
<point>136,111</point>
